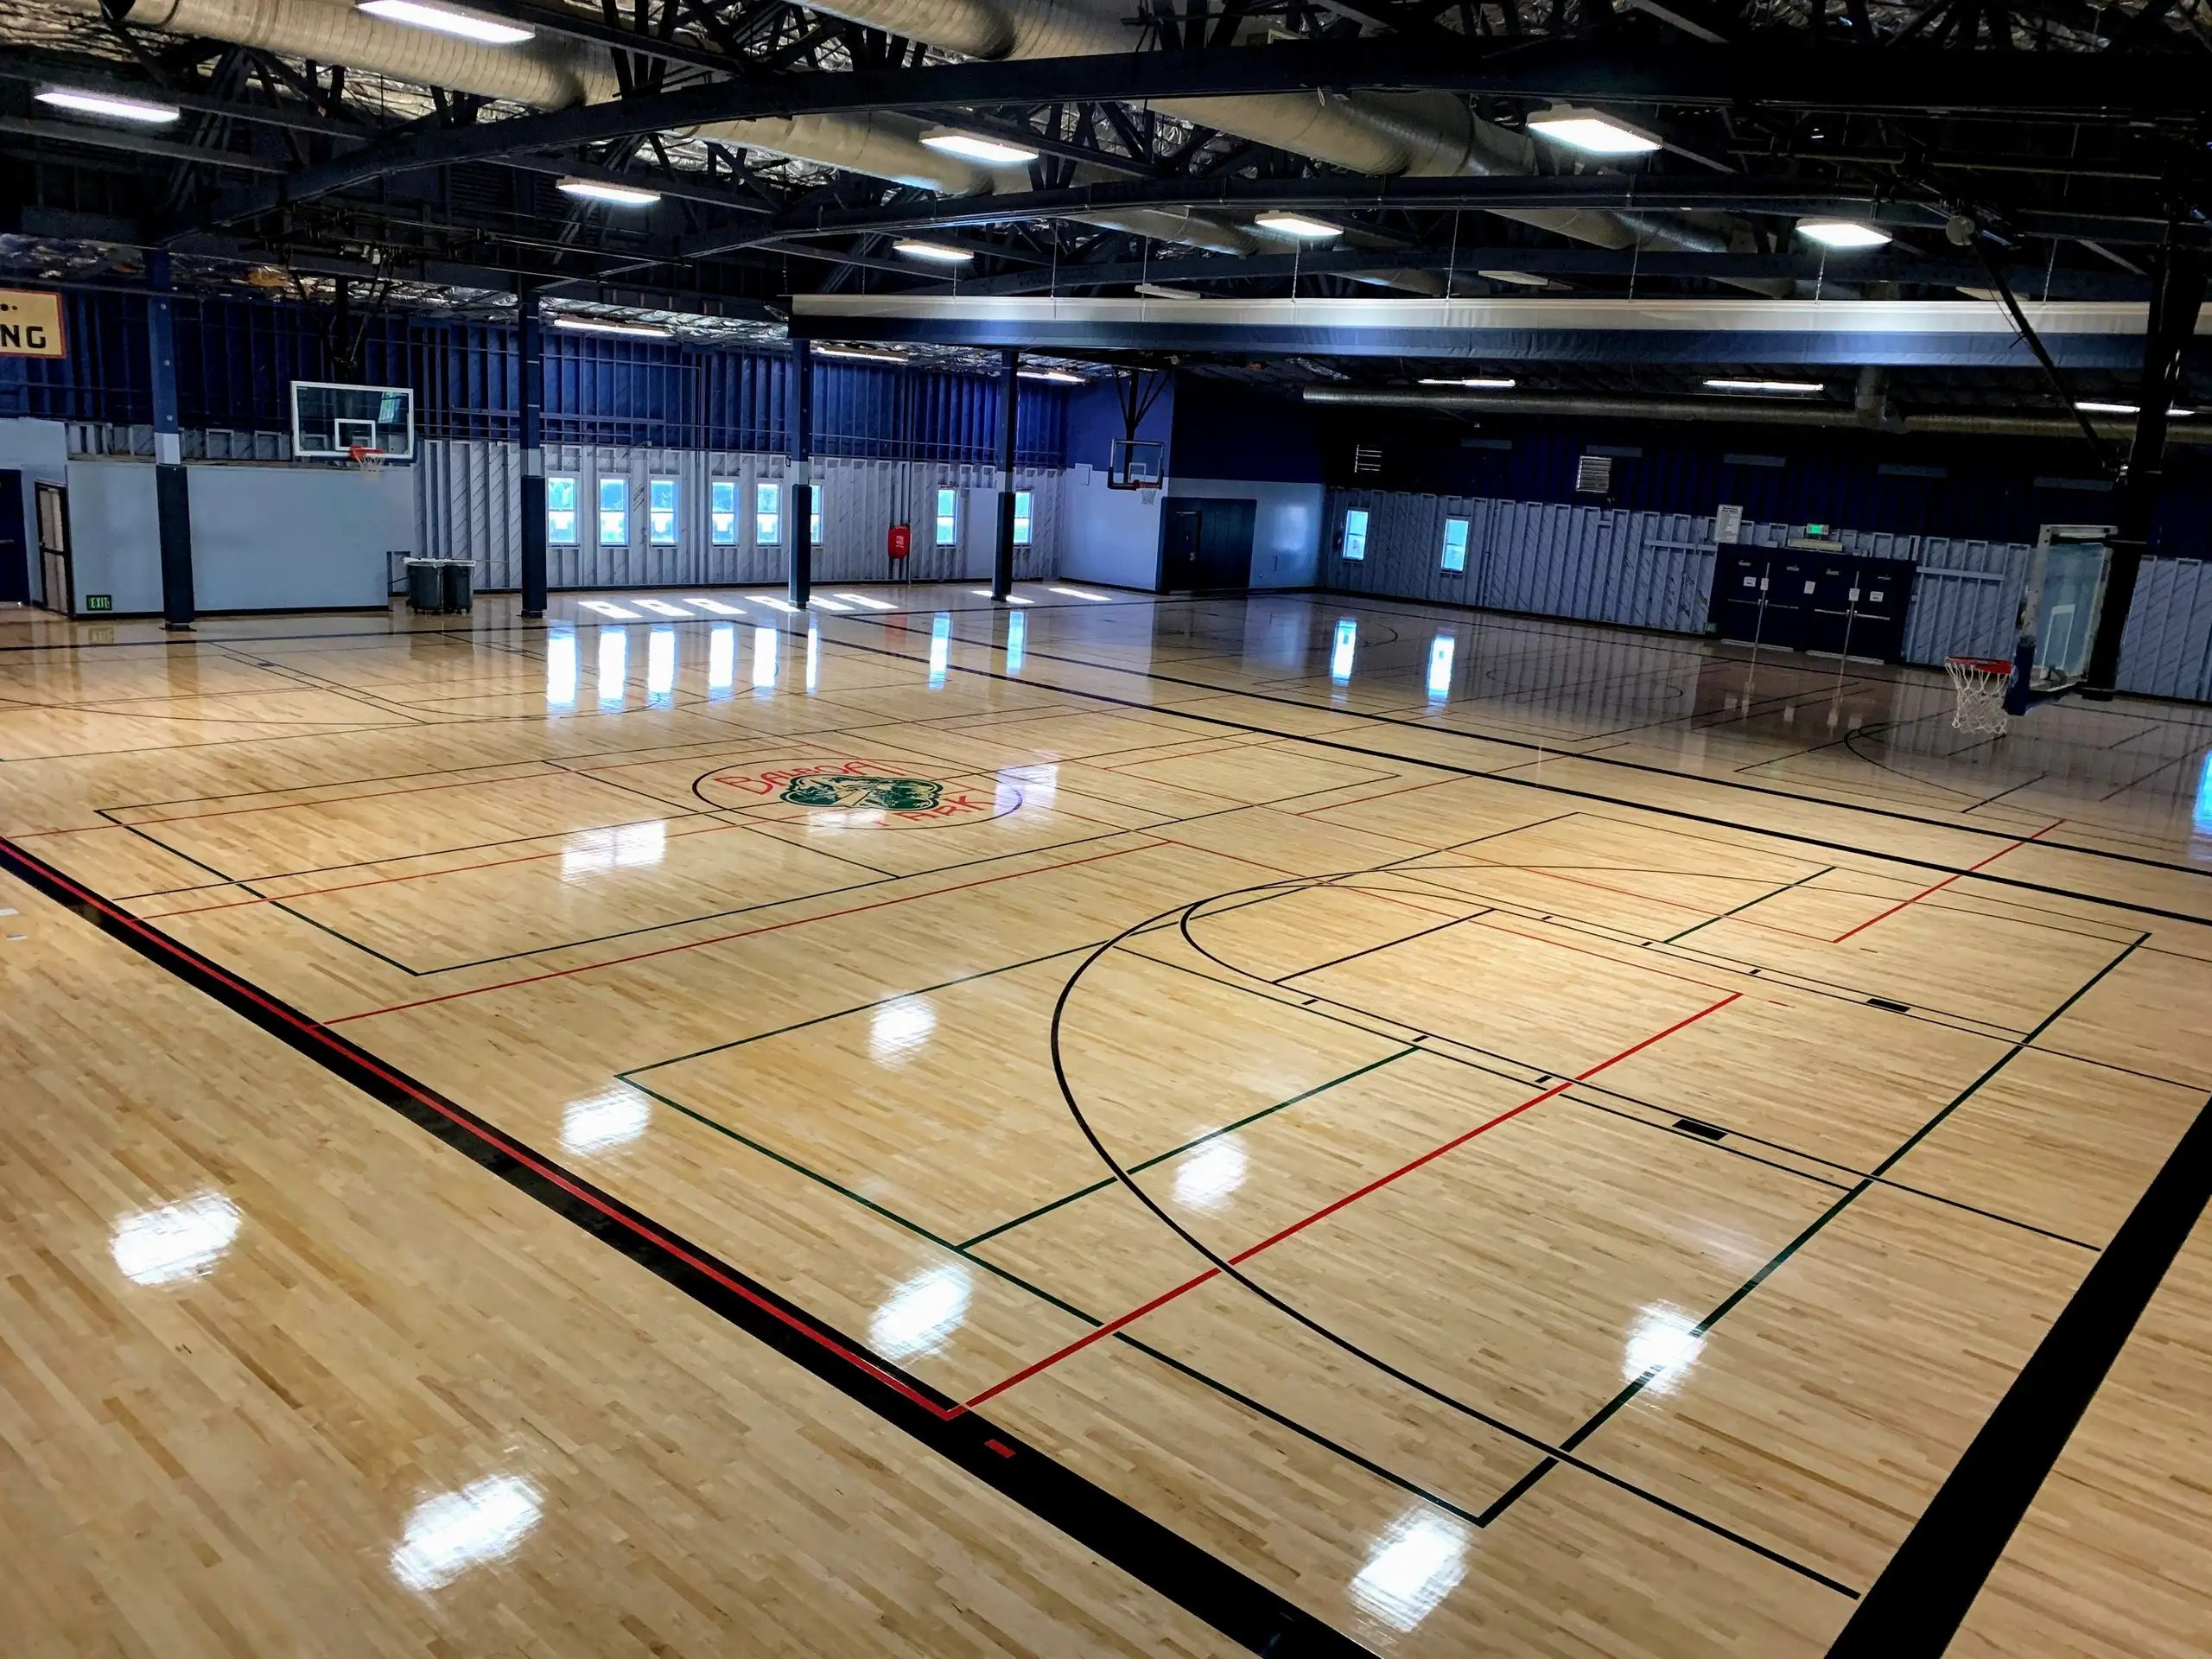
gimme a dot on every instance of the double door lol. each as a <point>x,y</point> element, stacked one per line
<point>1205,543</point>
<point>1796,599</point>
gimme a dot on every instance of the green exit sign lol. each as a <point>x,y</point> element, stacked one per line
<point>99,601</point>
<point>1816,529</point>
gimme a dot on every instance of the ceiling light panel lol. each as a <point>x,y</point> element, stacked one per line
<point>1297,225</point>
<point>141,111</point>
<point>936,252</point>
<point>620,195</point>
<point>487,31</point>
<point>991,152</point>
<point>1591,133</point>
<point>1841,233</point>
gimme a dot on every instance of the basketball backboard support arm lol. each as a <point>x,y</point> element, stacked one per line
<point>2176,296</point>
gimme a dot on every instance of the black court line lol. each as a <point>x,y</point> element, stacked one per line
<point>1599,1419</point>
<point>1550,752</point>
<point>1239,1606</point>
<point>1916,1606</point>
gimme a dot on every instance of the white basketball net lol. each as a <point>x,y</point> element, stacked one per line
<point>361,456</point>
<point>1981,685</point>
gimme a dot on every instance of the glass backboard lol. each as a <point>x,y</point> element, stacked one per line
<point>330,420</point>
<point>2059,605</point>
<point>1135,463</point>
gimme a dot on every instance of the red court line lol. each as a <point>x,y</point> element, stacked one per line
<point>1381,1182</point>
<point>741,933</point>
<point>1947,881</point>
<point>514,1149</point>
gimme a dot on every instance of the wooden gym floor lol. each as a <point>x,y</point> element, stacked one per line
<point>1115,1126</point>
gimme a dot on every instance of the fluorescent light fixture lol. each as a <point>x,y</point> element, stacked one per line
<point>1297,225</point>
<point>1058,377</point>
<point>622,330</point>
<point>862,353</point>
<point>1587,130</point>
<point>118,109</point>
<point>1841,233</point>
<point>1517,278</point>
<point>489,31</point>
<point>1162,291</point>
<point>622,195</point>
<point>991,152</point>
<point>935,250</point>
<point>1767,388</point>
<point>2128,408</point>
<point>1477,383</point>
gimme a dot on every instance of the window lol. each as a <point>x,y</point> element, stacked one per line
<point>721,517</point>
<point>814,517</point>
<point>1356,533</point>
<point>561,511</point>
<point>948,517</point>
<point>615,513</point>
<point>660,512</point>
<point>1021,518</point>
<point>768,514</point>
<point>1455,544</point>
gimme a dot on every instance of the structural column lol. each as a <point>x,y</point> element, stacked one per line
<point>533,451</point>
<point>172,489</point>
<point>2176,296</point>
<point>1002,555</point>
<point>799,423</point>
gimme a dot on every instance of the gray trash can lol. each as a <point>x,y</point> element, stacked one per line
<point>425,585</point>
<point>456,587</point>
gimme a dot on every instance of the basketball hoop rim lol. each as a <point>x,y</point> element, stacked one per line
<point>1986,664</point>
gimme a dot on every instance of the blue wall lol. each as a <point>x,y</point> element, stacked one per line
<point>236,358</point>
<point>1225,430</point>
<point>1991,489</point>
<point>1093,421</point>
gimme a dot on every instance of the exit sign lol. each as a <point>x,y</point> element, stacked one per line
<point>99,601</point>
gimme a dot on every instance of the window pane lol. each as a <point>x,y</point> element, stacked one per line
<point>561,511</point>
<point>660,512</point>
<point>1455,544</point>
<point>1021,518</point>
<point>948,517</point>
<point>722,500</point>
<point>1356,533</point>
<point>614,512</point>
<point>814,517</point>
<point>768,514</point>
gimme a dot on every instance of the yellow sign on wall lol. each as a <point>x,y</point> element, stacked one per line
<point>30,324</point>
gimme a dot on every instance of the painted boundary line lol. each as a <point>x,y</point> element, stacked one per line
<point>1917,1605</point>
<point>1202,1584</point>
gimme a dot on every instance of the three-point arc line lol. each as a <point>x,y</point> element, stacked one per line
<point>1381,1182</point>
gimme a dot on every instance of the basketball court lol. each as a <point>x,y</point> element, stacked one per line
<point>1379,1162</point>
<point>985,828</point>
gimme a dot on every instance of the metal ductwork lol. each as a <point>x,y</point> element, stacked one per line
<point>1866,415</point>
<point>1384,135</point>
<point>548,72</point>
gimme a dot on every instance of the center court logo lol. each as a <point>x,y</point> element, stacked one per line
<point>861,792</point>
<point>892,794</point>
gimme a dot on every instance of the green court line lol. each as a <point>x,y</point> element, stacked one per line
<point>1177,1152</point>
